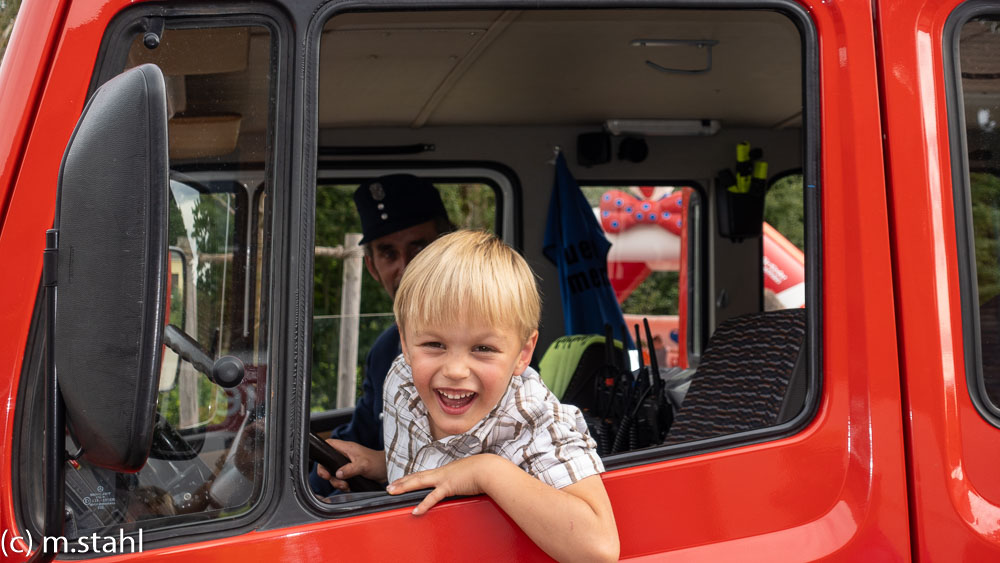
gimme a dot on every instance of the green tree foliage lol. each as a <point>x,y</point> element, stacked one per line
<point>335,217</point>
<point>656,295</point>
<point>985,190</point>
<point>208,234</point>
<point>784,209</point>
<point>8,11</point>
<point>468,205</point>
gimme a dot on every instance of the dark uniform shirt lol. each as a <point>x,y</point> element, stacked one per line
<point>365,426</point>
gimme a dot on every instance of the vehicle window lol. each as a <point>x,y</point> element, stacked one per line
<point>508,87</point>
<point>646,262</point>
<point>784,244</point>
<point>8,12</point>
<point>350,308</point>
<point>979,83</point>
<point>206,462</point>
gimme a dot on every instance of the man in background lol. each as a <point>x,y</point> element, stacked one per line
<point>400,215</point>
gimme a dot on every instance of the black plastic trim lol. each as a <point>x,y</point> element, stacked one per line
<point>327,420</point>
<point>29,424</point>
<point>961,186</point>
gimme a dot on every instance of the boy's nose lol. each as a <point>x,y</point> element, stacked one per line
<point>455,368</point>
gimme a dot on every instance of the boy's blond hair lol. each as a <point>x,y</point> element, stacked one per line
<point>469,275</point>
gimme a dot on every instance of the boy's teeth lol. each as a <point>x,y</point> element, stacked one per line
<point>458,396</point>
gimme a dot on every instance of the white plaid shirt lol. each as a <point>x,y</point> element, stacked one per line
<point>529,427</point>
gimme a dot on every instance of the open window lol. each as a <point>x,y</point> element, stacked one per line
<point>669,95</point>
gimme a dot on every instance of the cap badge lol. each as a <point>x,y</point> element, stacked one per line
<point>377,191</point>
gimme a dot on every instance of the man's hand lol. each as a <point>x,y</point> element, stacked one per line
<point>365,462</point>
<point>460,477</point>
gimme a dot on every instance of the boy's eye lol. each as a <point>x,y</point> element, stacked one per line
<point>433,345</point>
<point>484,349</point>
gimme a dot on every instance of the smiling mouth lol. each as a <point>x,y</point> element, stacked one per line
<point>455,401</point>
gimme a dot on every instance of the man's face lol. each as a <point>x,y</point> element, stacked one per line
<point>391,253</point>
<point>462,370</point>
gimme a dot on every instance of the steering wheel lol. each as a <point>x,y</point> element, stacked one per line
<point>333,460</point>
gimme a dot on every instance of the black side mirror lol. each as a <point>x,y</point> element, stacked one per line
<point>111,230</point>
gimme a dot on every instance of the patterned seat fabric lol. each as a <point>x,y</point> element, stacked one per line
<point>743,378</point>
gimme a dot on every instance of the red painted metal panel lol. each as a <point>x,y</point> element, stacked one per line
<point>953,451</point>
<point>21,75</point>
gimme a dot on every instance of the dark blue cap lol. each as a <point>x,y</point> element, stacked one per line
<point>395,202</point>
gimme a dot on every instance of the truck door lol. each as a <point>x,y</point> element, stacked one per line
<point>939,63</point>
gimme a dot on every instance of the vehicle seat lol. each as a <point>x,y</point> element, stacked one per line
<point>752,375</point>
<point>570,364</point>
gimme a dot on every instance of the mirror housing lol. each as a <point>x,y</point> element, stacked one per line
<point>111,218</point>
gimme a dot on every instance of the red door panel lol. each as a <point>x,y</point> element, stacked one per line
<point>953,451</point>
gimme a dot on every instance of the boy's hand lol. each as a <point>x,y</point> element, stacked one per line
<point>575,523</point>
<point>365,462</point>
<point>460,477</point>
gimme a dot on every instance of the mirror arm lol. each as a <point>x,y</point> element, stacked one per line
<point>55,410</point>
<point>226,371</point>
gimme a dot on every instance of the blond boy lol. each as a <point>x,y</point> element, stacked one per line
<point>465,415</point>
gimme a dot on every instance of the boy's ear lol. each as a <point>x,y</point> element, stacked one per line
<point>402,345</point>
<point>524,358</point>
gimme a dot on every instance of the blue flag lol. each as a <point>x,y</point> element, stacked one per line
<point>575,243</point>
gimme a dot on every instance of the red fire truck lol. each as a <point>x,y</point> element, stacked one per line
<point>182,306</point>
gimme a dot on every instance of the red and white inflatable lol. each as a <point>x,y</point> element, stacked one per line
<point>646,226</point>
<point>784,269</point>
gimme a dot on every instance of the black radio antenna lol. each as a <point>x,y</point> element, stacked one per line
<point>654,367</point>
<point>638,346</point>
<point>626,362</point>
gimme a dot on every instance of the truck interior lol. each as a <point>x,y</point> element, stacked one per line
<point>644,105</point>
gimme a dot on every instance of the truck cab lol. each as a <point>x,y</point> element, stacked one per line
<point>799,197</point>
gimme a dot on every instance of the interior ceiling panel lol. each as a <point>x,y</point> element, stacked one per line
<point>557,68</point>
<point>385,76</point>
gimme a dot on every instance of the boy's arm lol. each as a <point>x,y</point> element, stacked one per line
<point>574,523</point>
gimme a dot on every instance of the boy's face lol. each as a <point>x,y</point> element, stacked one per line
<point>462,370</point>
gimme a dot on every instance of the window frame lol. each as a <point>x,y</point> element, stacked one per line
<point>961,193</point>
<point>811,166</point>
<point>116,40</point>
